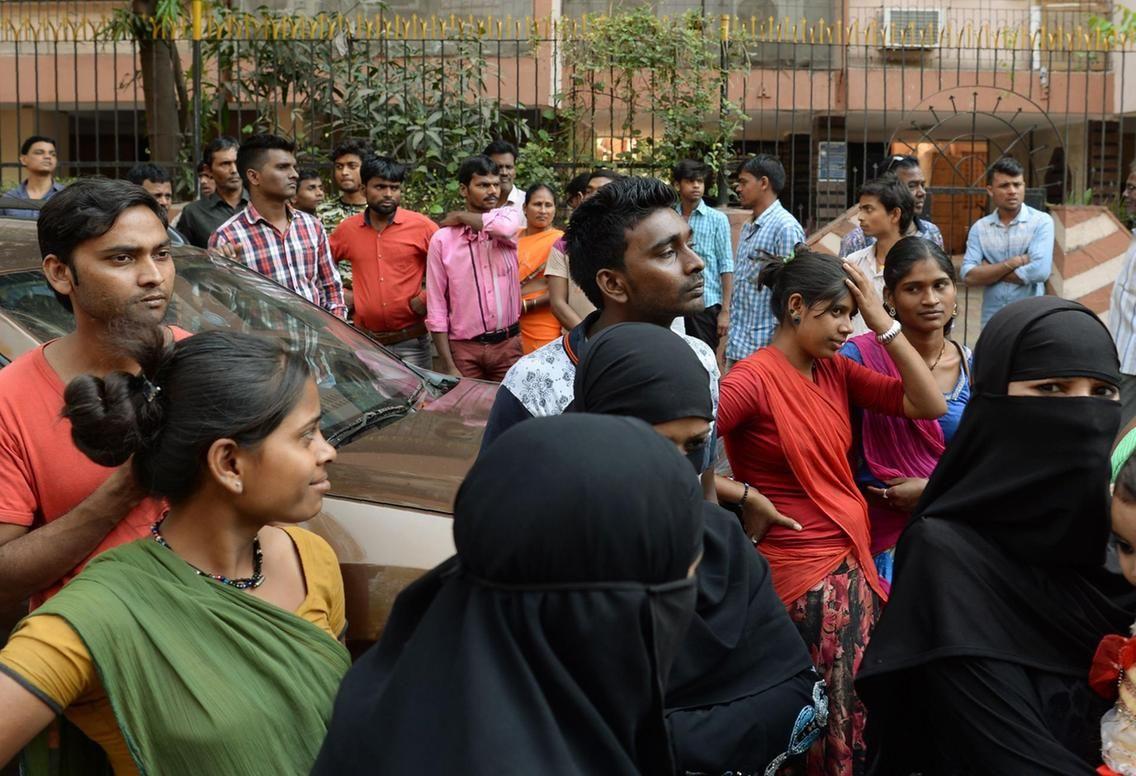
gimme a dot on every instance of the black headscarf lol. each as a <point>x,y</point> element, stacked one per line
<point>741,640</point>
<point>643,371</point>
<point>1003,557</point>
<point>542,646</point>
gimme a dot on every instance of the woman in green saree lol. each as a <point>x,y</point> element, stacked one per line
<point>213,646</point>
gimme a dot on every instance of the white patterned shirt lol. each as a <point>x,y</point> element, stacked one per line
<point>543,383</point>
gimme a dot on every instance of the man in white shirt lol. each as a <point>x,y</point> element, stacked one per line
<point>504,155</point>
<point>887,210</point>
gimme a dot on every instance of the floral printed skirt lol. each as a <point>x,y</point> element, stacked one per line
<point>836,619</point>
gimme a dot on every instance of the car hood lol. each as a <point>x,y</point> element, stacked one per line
<point>419,460</point>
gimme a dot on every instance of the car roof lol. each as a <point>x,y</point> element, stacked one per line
<point>19,245</point>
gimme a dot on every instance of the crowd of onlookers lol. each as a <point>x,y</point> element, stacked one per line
<point>914,558</point>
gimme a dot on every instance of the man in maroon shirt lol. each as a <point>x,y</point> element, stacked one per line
<point>386,247</point>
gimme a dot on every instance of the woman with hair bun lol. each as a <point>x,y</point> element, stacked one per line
<point>211,647</point>
<point>784,418</point>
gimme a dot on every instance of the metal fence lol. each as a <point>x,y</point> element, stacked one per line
<point>832,100</point>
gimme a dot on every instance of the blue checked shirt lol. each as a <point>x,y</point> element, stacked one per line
<point>751,318</point>
<point>1122,313</point>
<point>712,243</point>
<point>856,240</point>
<point>991,241</point>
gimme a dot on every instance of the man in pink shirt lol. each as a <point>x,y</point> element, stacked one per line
<point>473,292</point>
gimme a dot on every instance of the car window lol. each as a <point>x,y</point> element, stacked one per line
<point>355,375</point>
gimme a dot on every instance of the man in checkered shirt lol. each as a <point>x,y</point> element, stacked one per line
<point>772,230</point>
<point>273,238</point>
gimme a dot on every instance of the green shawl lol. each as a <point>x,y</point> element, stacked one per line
<point>203,678</point>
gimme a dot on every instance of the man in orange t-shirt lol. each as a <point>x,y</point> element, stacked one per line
<point>106,255</point>
<point>386,247</point>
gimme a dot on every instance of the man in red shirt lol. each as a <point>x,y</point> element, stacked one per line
<point>386,247</point>
<point>106,255</point>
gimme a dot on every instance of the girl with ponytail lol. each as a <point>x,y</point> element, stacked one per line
<point>211,646</point>
<point>784,418</point>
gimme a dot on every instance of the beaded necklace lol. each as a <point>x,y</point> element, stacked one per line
<point>256,580</point>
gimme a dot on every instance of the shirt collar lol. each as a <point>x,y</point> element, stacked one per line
<point>700,208</point>
<point>396,218</point>
<point>56,187</point>
<point>252,215</point>
<point>768,213</point>
<point>1022,217</point>
<point>215,198</point>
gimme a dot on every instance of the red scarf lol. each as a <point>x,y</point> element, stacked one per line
<point>815,436</point>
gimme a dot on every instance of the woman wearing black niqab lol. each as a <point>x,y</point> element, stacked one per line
<point>541,648</point>
<point>980,662</point>
<point>743,696</point>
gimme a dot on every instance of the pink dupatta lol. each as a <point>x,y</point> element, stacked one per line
<point>894,447</point>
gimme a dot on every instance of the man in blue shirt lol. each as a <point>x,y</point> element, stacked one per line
<point>910,174</point>
<point>39,159</point>
<point>1009,253</point>
<point>772,230</point>
<point>713,244</point>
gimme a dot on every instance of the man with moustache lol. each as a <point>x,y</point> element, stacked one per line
<point>386,247</point>
<point>473,292</point>
<point>39,159</point>
<point>110,268</point>
<point>273,238</point>
<point>157,181</point>
<point>200,219</point>
<point>910,174</point>
<point>632,255</point>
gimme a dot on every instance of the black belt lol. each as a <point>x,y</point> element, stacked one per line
<point>494,337</point>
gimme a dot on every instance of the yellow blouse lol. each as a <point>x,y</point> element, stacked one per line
<point>48,658</point>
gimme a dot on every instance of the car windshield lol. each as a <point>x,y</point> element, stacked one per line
<point>358,379</point>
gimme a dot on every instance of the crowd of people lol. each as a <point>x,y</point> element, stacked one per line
<point>909,561</point>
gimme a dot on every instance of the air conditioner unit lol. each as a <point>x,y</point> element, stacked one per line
<point>912,28</point>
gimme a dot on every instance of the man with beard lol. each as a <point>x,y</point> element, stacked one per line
<point>386,246</point>
<point>106,256</point>
<point>473,292</point>
<point>347,159</point>
<point>273,238</point>
<point>632,256</point>
<point>201,218</point>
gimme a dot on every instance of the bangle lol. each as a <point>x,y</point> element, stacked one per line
<point>889,335</point>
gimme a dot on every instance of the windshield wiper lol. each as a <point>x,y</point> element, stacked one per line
<point>367,420</point>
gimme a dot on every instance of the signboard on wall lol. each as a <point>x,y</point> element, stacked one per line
<point>832,162</point>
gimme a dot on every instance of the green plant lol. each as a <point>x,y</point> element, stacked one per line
<point>652,71</point>
<point>424,101</point>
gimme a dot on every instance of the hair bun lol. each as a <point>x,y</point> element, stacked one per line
<point>112,417</point>
<point>770,271</point>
